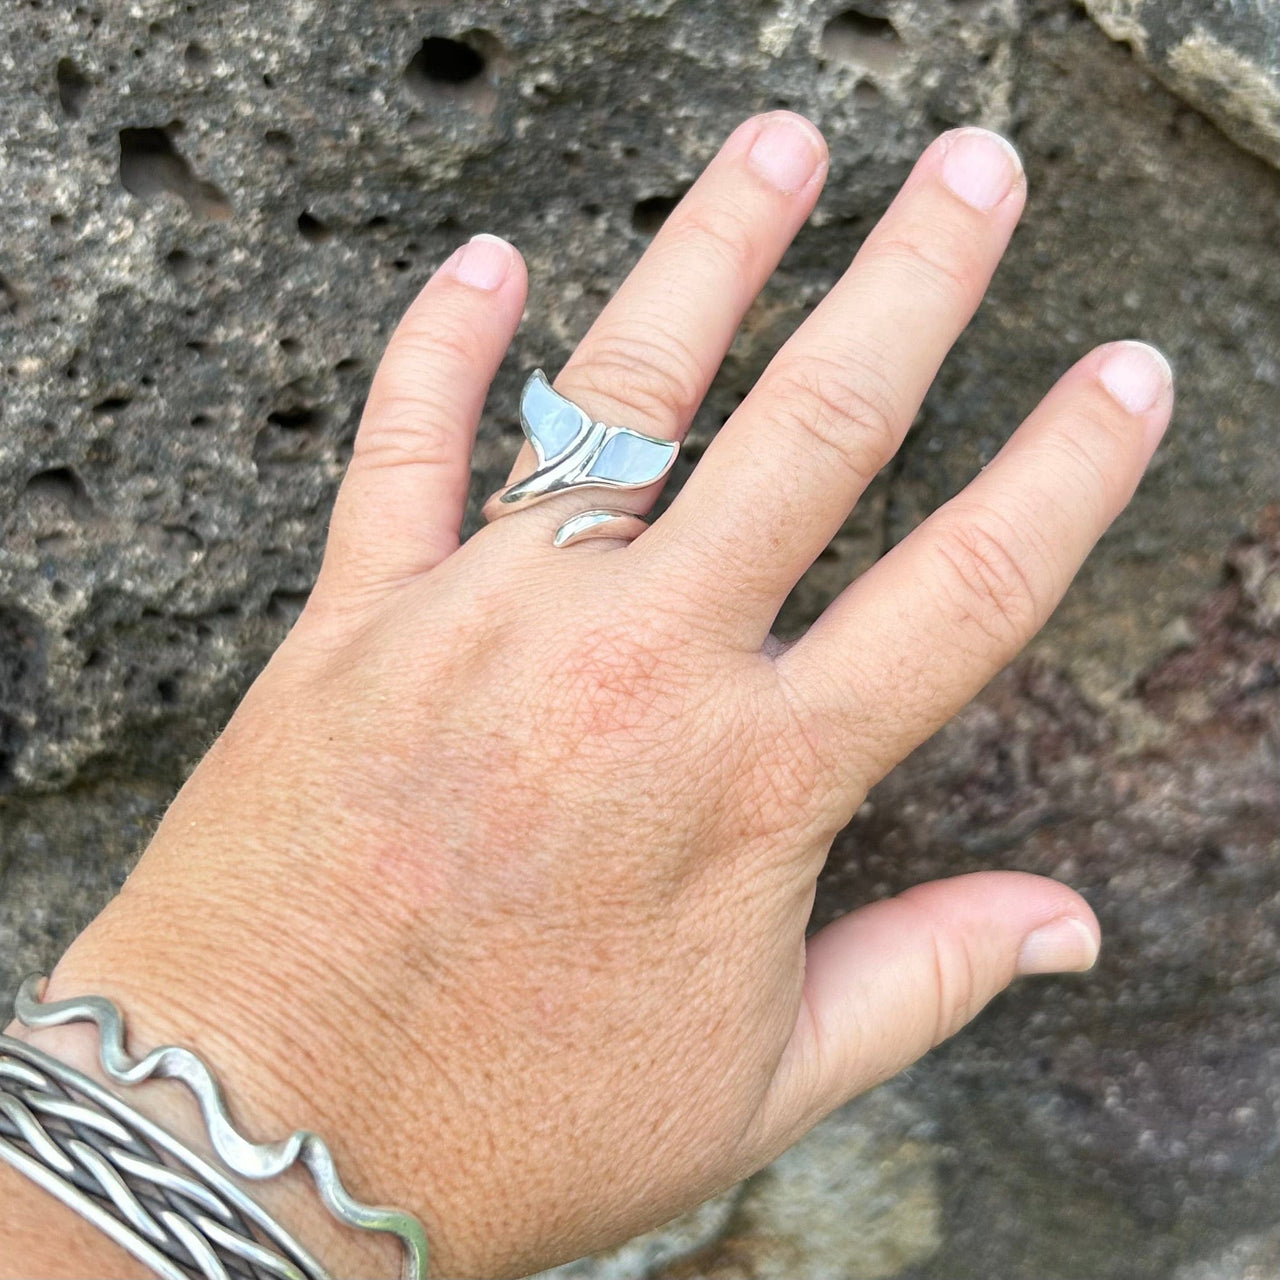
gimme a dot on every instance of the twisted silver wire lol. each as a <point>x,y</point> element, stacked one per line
<point>106,1164</point>
<point>242,1156</point>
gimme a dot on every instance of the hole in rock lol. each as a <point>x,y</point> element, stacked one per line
<point>63,486</point>
<point>1207,858</point>
<point>151,166</point>
<point>180,264</point>
<point>442,64</point>
<point>12,739</point>
<point>73,88</point>
<point>649,214</point>
<point>278,139</point>
<point>298,417</point>
<point>111,404</point>
<point>196,55</point>
<point>311,229</point>
<point>861,37</point>
<point>866,95</point>
<point>10,301</point>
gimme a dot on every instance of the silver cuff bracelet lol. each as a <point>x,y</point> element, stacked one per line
<point>164,1203</point>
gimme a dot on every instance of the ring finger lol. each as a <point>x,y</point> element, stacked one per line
<point>649,358</point>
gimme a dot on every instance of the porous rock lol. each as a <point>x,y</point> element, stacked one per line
<point>211,218</point>
<point>1224,58</point>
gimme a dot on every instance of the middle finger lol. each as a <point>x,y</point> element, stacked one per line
<point>834,403</point>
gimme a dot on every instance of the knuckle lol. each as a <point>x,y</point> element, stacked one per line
<point>408,430</point>
<point>848,411</point>
<point>713,229</point>
<point>1100,449</point>
<point>932,261</point>
<point>652,377</point>
<point>426,340</point>
<point>956,978</point>
<point>987,580</point>
<point>1080,466</point>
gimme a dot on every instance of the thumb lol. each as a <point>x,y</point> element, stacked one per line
<point>886,983</point>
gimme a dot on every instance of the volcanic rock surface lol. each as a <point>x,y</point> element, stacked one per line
<point>212,217</point>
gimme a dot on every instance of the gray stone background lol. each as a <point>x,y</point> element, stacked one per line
<point>212,215</point>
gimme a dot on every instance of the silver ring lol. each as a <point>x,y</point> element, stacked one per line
<point>576,453</point>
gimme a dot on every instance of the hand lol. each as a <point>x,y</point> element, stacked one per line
<point>499,877</point>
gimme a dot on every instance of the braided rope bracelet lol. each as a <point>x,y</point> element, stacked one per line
<point>163,1202</point>
<point>108,1163</point>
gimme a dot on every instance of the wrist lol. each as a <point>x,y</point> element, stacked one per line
<point>247,1048</point>
<point>271,928</point>
<point>39,1236</point>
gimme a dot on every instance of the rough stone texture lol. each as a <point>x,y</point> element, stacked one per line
<point>212,216</point>
<point>1249,1258</point>
<point>1223,57</point>
<point>857,1198</point>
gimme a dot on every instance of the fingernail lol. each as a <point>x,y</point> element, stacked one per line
<point>1067,945</point>
<point>1136,375</point>
<point>785,154</point>
<point>484,262</point>
<point>980,167</point>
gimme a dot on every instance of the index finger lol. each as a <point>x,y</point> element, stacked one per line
<point>905,646</point>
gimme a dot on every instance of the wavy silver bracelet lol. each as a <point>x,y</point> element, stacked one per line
<point>170,1207</point>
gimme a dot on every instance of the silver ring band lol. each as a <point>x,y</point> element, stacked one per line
<point>575,452</point>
